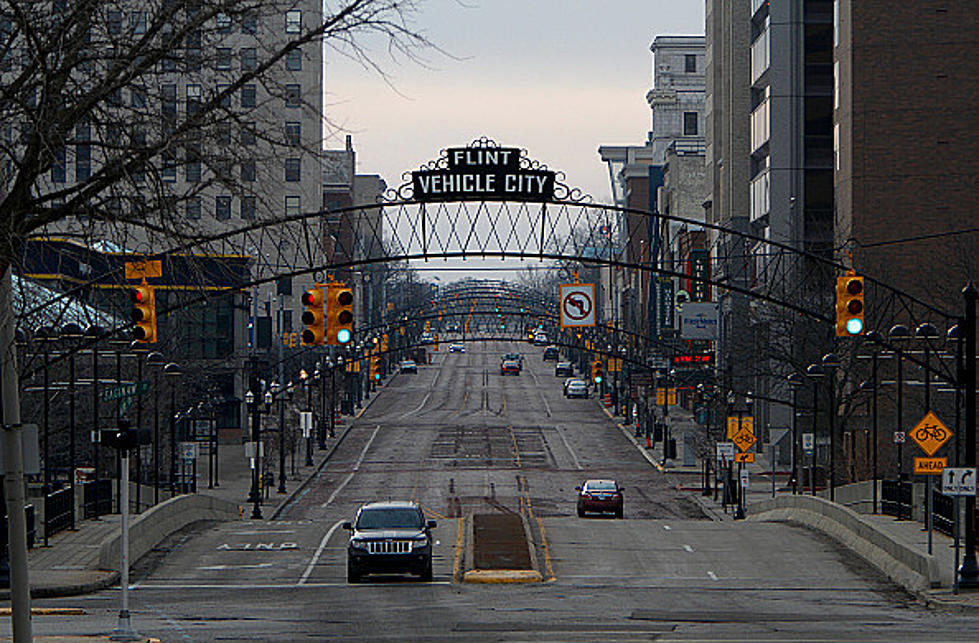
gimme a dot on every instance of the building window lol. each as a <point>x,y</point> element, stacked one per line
<point>193,207</point>
<point>690,63</point>
<point>293,94</point>
<point>169,103</point>
<point>292,170</point>
<point>247,134</point>
<point>249,24</point>
<point>248,208</point>
<point>192,171</point>
<point>249,59</point>
<point>222,58</point>
<point>248,171</point>
<point>83,152</point>
<point>294,21</point>
<point>113,22</point>
<point>292,206</point>
<point>193,98</point>
<point>222,208</point>
<point>138,20</point>
<point>169,171</point>
<point>293,134</point>
<point>59,169</point>
<point>226,99</point>
<point>137,98</point>
<point>294,60</point>
<point>223,133</point>
<point>223,22</point>
<point>689,123</point>
<point>248,96</point>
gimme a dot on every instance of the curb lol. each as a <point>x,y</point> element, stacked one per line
<point>502,576</point>
<point>109,579</point>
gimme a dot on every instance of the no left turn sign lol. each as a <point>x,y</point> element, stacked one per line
<point>577,305</point>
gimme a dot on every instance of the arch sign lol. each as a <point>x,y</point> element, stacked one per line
<point>577,305</point>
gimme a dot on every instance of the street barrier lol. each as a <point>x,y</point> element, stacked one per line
<point>896,499</point>
<point>96,498</point>
<point>59,507</point>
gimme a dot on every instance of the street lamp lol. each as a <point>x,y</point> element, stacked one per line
<point>156,359</point>
<point>333,393</point>
<point>927,332</point>
<point>254,497</point>
<point>899,334</point>
<point>45,335</point>
<point>877,339</point>
<point>795,383</point>
<point>831,362</point>
<point>94,333</point>
<point>814,372</point>
<point>173,371</point>
<point>72,332</point>
<point>306,384</point>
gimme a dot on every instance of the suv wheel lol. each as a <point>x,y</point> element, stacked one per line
<point>352,575</point>
<point>426,575</point>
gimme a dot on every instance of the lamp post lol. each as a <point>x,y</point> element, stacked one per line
<point>94,333</point>
<point>795,383</point>
<point>140,349</point>
<point>45,335</point>
<point>333,393</point>
<point>899,334</point>
<point>831,362</point>
<point>814,372</point>
<point>927,332</point>
<point>251,401</point>
<point>969,571</point>
<point>71,331</point>
<point>278,393</point>
<point>173,371</point>
<point>875,337</point>
<point>304,379</point>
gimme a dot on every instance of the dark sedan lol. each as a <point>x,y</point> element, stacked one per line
<point>603,496</point>
<point>563,368</point>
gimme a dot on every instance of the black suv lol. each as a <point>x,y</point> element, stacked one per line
<point>389,538</point>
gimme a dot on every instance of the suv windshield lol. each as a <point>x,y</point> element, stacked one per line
<point>390,518</point>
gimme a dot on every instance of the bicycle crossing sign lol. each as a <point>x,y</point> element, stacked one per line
<point>744,439</point>
<point>930,433</point>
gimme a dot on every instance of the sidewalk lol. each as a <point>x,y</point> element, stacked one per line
<point>909,534</point>
<point>70,564</point>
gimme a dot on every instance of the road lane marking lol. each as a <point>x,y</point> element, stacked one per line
<point>712,575</point>
<point>360,461</point>
<point>667,527</point>
<point>427,395</point>
<point>223,567</point>
<point>263,533</point>
<point>319,552</point>
<point>253,586</point>
<point>431,511</point>
<point>688,548</point>
<point>540,392</point>
<point>567,446</point>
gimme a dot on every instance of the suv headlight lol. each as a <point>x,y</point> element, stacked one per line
<point>419,543</point>
<point>358,544</point>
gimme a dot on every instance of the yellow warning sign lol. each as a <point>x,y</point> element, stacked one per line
<point>144,269</point>
<point>744,457</point>
<point>930,433</point>
<point>733,426</point>
<point>929,466</point>
<point>744,439</point>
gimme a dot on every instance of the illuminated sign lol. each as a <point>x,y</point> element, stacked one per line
<point>693,360</point>
<point>483,173</point>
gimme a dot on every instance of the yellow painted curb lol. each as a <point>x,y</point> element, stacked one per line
<point>502,576</point>
<point>49,611</point>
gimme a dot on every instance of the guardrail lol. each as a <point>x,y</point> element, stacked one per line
<point>59,509</point>
<point>96,498</point>
<point>897,499</point>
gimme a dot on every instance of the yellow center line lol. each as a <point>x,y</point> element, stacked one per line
<point>433,513</point>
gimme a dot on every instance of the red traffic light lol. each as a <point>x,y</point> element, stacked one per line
<point>854,287</point>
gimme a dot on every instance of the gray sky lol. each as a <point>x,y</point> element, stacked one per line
<point>556,77</point>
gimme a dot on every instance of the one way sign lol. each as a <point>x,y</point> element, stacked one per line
<point>959,481</point>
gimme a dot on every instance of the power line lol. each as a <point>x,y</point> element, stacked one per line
<point>923,237</point>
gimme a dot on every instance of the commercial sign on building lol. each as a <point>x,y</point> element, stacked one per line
<point>665,304</point>
<point>699,321</point>
<point>480,174</point>
<point>699,270</point>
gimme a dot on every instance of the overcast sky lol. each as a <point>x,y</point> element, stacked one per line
<point>556,77</point>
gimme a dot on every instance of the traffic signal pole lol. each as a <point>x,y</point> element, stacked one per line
<point>969,571</point>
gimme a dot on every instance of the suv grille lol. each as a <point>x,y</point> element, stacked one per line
<point>389,547</point>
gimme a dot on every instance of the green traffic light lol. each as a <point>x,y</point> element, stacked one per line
<point>598,379</point>
<point>854,326</point>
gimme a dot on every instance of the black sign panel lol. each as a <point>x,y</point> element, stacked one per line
<point>483,174</point>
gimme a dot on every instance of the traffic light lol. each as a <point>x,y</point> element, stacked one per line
<point>339,315</point>
<point>596,371</point>
<point>124,437</point>
<point>375,367</point>
<point>313,317</point>
<point>143,313</point>
<point>849,306</point>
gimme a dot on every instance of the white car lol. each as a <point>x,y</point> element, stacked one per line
<point>457,347</point>
<point>408,366</point>
<point>576,388</point>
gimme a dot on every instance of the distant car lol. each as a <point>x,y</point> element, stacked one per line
<point>509,367</point>
<point>576,388</point>
<point>603,496</point>
<point>551,354</point>
<point>540,339</point>
<point>515,357</point>
<point>389,538</point>
<point>408,366</point>
<point>563,368</point>
<point>427,338</point>
<point>457,347</point>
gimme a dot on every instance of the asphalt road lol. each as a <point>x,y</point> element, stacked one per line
<point>460,438</point>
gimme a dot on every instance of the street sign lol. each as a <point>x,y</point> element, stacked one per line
<point>120,391</point>
<point>929,466</point>
<point>930,433</point>
<point>900,437</point>
<point>665,396</point>
<point>577,305</point>
<point>744,457</point>
<point>744,439</point>
<point>306,422</point>
<point>657,362</point>
<point>808,443</point>
<point>188,450</point>
<point>959,481</point>
<point>733,426</point>
<point>725,451</point>
<point>743,475</point>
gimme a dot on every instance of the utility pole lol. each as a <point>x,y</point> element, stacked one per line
<point>13,462</point>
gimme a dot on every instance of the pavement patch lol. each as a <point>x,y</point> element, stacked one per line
<point>500,576</point>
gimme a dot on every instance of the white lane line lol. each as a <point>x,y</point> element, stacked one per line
<point>360,461</point>
<point>567,446</point>
<point>222,586</point>
<point>667,527</point>
<point>221,567</point>
<point>712,575</point>
<point>263,533</point>
<point>540,392</point>
<point>319,552</point>
<point>427,395</point>
<point>688,548</point>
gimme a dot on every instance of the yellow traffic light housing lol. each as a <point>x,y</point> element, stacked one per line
<point>339,315</point>
<point>375,367</point>
<point>849,306</point>
<point>596,371</point>
<point>143,313</point>
<point>314,317</point>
